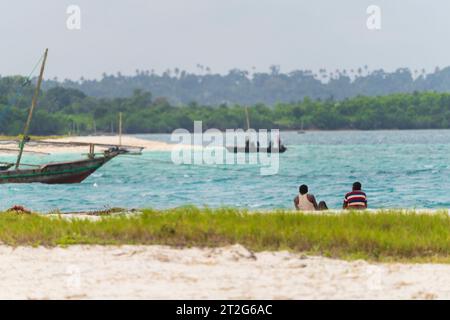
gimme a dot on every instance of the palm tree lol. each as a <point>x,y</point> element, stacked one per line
<point>200,67</point>
<point>359,71</point>
<point>176,71</point>
<point>274,69</point>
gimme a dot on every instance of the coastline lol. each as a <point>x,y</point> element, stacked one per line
<point>133,140</point>
<point>96,215</point>
<point>149,145</point>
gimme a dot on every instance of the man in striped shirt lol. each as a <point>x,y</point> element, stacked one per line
<point>356,199</point>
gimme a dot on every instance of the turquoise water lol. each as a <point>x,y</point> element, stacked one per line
<point>397,169</point>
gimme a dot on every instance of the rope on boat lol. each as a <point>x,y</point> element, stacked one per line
<point>35,67</point>
<point>20,89</point>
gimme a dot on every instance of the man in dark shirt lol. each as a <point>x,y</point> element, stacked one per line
<point>356,199</point>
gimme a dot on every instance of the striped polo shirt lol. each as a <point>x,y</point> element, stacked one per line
<point>355,198</point>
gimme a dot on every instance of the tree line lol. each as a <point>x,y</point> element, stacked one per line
<point>70,111</point>
<point>251,87</point>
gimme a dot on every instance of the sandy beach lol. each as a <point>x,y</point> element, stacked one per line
<point>148,145</point>
<point>159,272</point>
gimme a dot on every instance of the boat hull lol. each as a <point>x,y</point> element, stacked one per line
<point>55,173</point>
<point>255,150</point>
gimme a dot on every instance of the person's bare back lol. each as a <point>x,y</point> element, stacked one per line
<point>307,202</point>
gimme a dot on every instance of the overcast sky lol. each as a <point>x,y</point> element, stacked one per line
<point>222,34</point>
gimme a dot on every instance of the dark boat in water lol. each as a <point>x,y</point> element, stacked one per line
<point>282,149</point>
<point>252,148</point>
<point>57,172</point>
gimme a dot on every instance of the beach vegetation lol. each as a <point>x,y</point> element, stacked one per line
<point>384,235</point>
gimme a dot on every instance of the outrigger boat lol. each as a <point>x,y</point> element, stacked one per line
<point>57,172</point>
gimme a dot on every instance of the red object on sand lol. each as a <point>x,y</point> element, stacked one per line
<point>17,208</point>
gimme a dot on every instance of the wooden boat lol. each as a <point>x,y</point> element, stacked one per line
<point>282,149</point>
<point>62,172</point>
<point>58,172</point>
<point>252,148</point>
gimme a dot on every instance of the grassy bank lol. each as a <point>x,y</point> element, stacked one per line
<point>385,236</point>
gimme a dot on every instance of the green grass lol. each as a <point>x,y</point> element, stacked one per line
<point>391,235</point>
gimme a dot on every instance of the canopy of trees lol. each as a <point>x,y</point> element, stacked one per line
<point>66,110</point>
<point>244,87</point>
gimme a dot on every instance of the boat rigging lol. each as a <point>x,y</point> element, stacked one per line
<point>57,172</point>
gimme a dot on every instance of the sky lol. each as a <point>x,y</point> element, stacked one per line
<point>221,34</point>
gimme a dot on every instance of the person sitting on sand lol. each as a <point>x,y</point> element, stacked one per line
<point>307,202</point>
<point>356,199</point>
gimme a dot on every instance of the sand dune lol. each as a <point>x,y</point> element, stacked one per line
<point>159,272</point>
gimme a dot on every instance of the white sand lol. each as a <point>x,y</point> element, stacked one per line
<point>157,272</point>
<point>149,145</point>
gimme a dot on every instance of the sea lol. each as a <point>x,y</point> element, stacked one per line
<point>397,169</point>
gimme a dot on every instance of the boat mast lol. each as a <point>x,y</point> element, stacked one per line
<point>120,128</point>
<point>246,116</point>
<point>30,114</point>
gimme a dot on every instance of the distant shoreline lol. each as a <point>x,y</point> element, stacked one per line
<point>147,144</point>
<point>128,140</point>
<point>312,130</point>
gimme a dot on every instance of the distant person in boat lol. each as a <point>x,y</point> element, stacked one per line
<point>281,147</point>
<point>247,144</point>
<point>356,199</point>
<point>307,202</point>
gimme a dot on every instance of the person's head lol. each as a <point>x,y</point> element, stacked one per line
<point>357,186</point>
<point>303,189</point>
